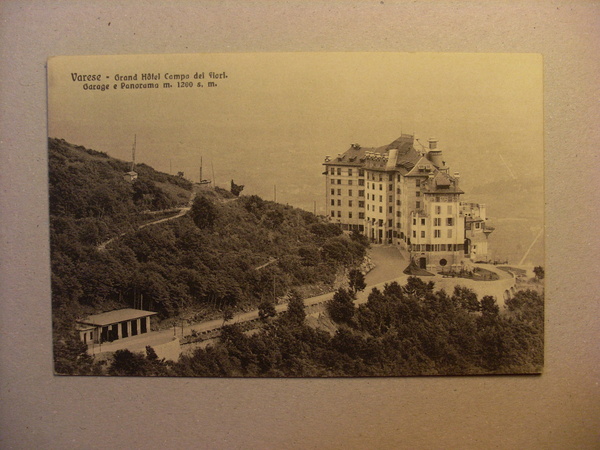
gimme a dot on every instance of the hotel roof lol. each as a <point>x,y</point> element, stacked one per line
<point>441,183</point>
<point>376,157</point>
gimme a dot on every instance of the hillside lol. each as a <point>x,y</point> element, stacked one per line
<point>225,252</point>
<point>87,183</point>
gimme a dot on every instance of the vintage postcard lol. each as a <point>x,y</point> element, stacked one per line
<point>296,214</point>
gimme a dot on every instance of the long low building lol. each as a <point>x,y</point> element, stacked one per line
<point>113,325</point>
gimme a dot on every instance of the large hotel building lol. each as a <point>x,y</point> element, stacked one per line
<point>400,195</point>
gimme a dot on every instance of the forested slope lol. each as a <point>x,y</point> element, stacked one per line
<point>401,331</point>
<point>226,252</point>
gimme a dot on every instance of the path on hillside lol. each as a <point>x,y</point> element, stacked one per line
<point>268,263</point>
<point>183,210</point>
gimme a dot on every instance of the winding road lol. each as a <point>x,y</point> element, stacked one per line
<point>182,212</point>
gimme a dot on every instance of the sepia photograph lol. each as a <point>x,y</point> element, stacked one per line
<point>296,214</point>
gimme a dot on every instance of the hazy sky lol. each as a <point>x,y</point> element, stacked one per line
<point>276,116</point>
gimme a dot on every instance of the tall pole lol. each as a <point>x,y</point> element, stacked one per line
<point>133,152</point>
<point>315,207</point>
<point>275,193</point>
<point>200,180</point>
<point>213,174</point>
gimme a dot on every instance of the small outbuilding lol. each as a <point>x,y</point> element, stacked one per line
<point>130,176</point>
<point>114,325</point>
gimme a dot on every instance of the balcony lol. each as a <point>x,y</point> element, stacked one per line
<point>420,213</point>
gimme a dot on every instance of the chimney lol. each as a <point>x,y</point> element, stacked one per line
<point>434,154</point>
<point>456,177</point>
<point>391,161</point>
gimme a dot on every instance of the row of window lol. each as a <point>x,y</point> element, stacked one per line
<point>338,171</point>
<point>446,198</point>
<point>380,177</point>
<point>361,215</point>
<point>361,193</point>
<point>437,221</point>
<point>361,182</point>
<point>380,223</point>
<point>361,204</point>
<point>437,247</point>
<point>390,210</point>
<point>374,187</point>
<point>438,209</point>
<point>436,233</point>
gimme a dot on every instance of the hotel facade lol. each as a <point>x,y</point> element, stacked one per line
<point>396,194</point>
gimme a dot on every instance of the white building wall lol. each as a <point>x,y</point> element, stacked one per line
<point>390,203</point>
<point>343,186</point>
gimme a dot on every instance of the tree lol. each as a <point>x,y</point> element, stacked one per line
<point>466,298</point>
<point>151,354</point>
<point>418,287</point>
<point>527,305</point>
<point>227,314</point>
<point>357,236</point>
<point>295,312</point>
<point>127,363</point>
<point>236,189</point>
<point>325,230</point>
<point>356,281</point>
<point>539,272</point>
<point>265,310</point>
<point>273,219</point>
<point>71,357</point>
<point>489,306</point>
<point>341,307</point>
<point>204,213</point>
<point>254,204</point>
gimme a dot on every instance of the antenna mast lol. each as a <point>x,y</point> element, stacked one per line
<point>133,152</point>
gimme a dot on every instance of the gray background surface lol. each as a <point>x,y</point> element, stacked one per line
<point>560,409</point>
